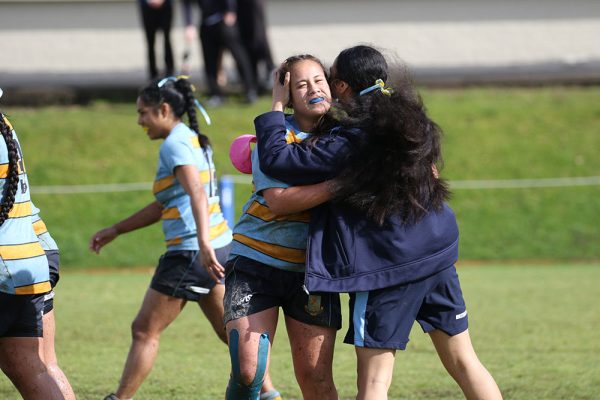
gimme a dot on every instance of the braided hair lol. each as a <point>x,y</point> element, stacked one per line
<point>12,179</point>
<point>179,94</point>
<point>392,172</point>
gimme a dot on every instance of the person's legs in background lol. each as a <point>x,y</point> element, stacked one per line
<point>150,24</point>
<point>166,22</point>
<point>211,49</point>
<point>231,40</point>
<point>253,32</point>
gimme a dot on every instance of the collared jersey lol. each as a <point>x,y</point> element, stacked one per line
<point>182,147</point>
<point>277,241</point>
<point>23,263</point>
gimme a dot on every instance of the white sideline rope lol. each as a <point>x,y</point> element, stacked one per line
<point>526,183</point>
<point>247,179</point>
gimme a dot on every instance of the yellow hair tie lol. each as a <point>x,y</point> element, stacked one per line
<point>379,85</point>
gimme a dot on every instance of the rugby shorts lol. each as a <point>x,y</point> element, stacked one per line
<point>21,315</point>
<point>383,318</point>
<point>180,274</point>
<point>252,287</point>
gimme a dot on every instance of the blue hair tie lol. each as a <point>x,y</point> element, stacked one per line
<point>163,81</point>
<point>203,111</point>
<point>379,85</point>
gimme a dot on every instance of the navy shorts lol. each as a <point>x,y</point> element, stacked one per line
<point>21,315</point>
<point>180,274</point>
<point>53,262</point>
<point>252,287</point>
<point>383,318</point>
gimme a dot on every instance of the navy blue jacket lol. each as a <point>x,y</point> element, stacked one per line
<point>346,251</point>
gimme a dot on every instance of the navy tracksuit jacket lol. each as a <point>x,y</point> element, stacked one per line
<point>346,251</point>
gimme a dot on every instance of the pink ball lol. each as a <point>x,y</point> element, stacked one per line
<point>240,153</point>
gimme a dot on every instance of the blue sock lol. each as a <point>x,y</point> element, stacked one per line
<point>271,395</point>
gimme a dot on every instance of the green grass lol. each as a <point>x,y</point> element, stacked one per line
<point>490,133</point>
<point>534,328</point>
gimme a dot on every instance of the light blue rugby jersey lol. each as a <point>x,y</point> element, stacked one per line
<point>40,229</point>
<point>23,263</point>
<point>260,235</point>
<point>182,147</point>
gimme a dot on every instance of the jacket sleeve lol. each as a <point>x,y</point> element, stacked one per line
<point>298,163</point>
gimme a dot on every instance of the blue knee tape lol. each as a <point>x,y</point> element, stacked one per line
<point>235,389</point>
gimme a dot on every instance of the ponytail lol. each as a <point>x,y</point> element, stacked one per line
<point>12,179</point>
<point>179,94</point>
<point>187,90</point>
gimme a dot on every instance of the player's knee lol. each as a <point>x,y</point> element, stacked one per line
<point>316,380</point>
<point>140,331</point>
<point>245,382</point>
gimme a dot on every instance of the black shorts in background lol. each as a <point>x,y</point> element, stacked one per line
<point>180,274</point>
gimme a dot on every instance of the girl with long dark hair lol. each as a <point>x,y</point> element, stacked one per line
<point>387,237</point>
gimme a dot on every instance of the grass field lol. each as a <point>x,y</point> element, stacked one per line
<point>490,133</point>
<point>534,327</point>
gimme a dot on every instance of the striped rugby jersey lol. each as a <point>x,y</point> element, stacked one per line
<point>23,263</point>
<point>182,147</point>
<point>40,229</point>
<point>277,241</point>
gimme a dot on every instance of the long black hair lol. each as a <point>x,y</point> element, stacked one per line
<point>395,170</point>
<point>12,179</point>
<point>179,94</point>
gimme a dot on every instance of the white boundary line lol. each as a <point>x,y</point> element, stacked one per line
<point>247,179</point>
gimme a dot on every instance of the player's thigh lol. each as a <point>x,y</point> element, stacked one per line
<point>21,357</point>
<point>157,312</point>
<point>312,346</point>
<point>375,366</point>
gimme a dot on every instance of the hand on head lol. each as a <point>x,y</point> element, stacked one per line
<point>281,91</point>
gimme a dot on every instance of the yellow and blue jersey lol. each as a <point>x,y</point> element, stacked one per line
<point>277,241</point>
<point>182,147</point>
<point>23,263</point>
<point>40,229</point>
